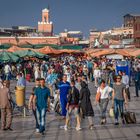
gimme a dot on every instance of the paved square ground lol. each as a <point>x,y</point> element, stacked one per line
<point>24,128</point>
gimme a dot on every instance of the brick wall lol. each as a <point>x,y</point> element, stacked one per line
<point>32,40</point>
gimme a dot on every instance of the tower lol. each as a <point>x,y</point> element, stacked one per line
<point>45,25</point>
<point>45,15</point>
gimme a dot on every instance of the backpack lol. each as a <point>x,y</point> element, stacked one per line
<point>73,97</point>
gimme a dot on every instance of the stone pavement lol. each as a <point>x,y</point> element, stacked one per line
<point>24,128</point>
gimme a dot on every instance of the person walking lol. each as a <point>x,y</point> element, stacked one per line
<point>111,77</point>
<point>73,105</point>
<point>125,81</point>
<point>64,88</point>
<point>85,104</point>
<point>7,71</point>
<point>43,70</point>
<point>31,106</point>
<point>5,106</point>
<point>42,103</point>
<point>119,98</point>
<point>36,72</point>
<point>90,70</point>
<point>104,91</point>
<point>21,82</point>
<point>50,81</point>
<point>78,83</point>
<point>97,76</point>
<point>137,81</point>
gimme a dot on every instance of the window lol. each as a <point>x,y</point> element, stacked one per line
<point>45,19</point>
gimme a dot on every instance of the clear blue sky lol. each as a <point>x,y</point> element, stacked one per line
<point>68,14</point>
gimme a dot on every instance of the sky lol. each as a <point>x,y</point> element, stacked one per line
<point>80,15</point>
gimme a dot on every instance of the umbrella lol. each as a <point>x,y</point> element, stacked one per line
<point>41,55</point>
<point>5,46</point>
<point>90,51</point>
<point>70,51</point>
<point>136,52</point>
<point>29,53</point>
<point>123,52</point>
<point>8,57</point>
<point>103,52</point>
<point>48,50</point>
<point>15,48</point>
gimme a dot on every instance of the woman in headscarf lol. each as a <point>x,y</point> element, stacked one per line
<point>85,104</point>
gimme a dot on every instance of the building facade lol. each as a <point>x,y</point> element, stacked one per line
<point>31,40</point>
<point>114,36</point>
<point>71,37</point>
<point>127,35</point>
<point>134,22</point>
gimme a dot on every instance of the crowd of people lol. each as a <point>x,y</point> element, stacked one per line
<point>67,78</point>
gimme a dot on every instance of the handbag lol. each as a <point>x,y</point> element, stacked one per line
<point>57,108</point>
<point>130,117</point>
<point>111,112</point>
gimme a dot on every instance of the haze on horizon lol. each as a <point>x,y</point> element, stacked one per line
<point>80,15</point>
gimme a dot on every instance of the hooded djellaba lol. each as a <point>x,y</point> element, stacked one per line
<point>85,102</point>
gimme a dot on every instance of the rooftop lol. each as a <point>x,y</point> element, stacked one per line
<point>133,15</point>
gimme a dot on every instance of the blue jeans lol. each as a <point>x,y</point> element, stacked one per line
<point>41,115</point>
<point>137,84</point>
<point>118,107</point>
<point>103,107</point>
<point>7,76</point>
<point>35,115</point>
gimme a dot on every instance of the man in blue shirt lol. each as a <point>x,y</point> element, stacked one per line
<point>64,87</point>
<point>42,103</point>
<point>50,80</point>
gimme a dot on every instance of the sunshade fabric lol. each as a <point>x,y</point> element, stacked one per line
<point>8,57</point>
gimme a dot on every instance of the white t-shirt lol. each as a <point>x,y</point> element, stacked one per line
<point>125,80</point>
<point>97,73</point>
<point>103,65</point>
<point>104,92</point>
<point>7,69</point>
<point>65,68</point>
<point>68,76</point>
